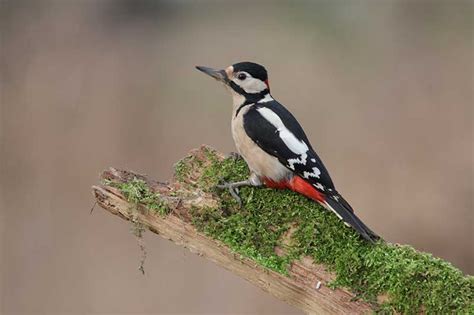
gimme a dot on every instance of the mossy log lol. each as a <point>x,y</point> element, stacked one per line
<point>283,243</point>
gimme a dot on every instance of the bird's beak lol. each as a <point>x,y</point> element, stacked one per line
<point>219,75</point>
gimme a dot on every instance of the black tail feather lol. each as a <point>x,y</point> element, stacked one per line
<point>344,211</point>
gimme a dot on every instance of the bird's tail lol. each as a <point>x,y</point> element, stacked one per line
<point>344,211</point>
<point>332,201</point>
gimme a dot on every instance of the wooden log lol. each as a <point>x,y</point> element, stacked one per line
<point>305,286</point>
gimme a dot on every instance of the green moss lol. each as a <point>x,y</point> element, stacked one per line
<point>411,281</point>
<point>137,192</point>
<point>182,168</point>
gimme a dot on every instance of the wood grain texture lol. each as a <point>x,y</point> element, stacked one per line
<point>305,286</point>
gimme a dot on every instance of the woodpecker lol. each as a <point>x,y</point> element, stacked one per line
<point>274,145</point>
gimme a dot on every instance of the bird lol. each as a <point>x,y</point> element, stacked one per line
<point>275,146</point>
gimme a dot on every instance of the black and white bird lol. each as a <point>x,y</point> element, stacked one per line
<point>274,145</point>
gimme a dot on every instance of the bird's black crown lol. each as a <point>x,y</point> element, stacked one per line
<point>254,69</point>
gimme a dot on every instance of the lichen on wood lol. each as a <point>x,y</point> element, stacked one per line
<point>283,231</point>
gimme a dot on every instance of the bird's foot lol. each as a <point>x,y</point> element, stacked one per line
<point>234,189</point>
<point>234,156</point>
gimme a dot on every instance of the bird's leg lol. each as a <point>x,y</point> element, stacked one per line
<point>234,156</point>
<point>233,188</point>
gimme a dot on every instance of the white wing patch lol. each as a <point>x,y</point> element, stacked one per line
<point>319,186</point>
<point>315,173</point>
<point>301,160</point>
<point>296,146</point>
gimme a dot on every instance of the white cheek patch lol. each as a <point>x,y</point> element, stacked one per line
<point>250,84</point>
<point>296,146</point>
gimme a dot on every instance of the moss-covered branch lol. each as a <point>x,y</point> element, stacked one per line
<point>284,243</point>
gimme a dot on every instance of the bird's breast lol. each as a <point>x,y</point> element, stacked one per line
<point>259,162</point>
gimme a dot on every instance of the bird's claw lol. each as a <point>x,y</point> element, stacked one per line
<point>234,156</point>
<point>233,190</point>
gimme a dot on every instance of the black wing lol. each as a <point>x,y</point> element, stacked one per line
<point>267,137</point>
<point>263,131</point>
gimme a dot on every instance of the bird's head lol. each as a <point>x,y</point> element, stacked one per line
<point>247,81</point>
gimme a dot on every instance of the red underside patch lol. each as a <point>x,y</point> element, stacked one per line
<point>277,185</point>
<point>297,184</point>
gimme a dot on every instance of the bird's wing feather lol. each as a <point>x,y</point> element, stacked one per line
<point>276,131</point>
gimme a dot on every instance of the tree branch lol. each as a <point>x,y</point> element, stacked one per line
<point>175,211</point>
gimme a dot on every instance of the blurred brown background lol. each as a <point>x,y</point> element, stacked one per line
<point>383,89</point>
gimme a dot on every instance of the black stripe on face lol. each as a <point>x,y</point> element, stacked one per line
<point>250,98</point>
<point>240,107</point>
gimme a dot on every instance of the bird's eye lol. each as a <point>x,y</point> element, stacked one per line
<point>241,76</point>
